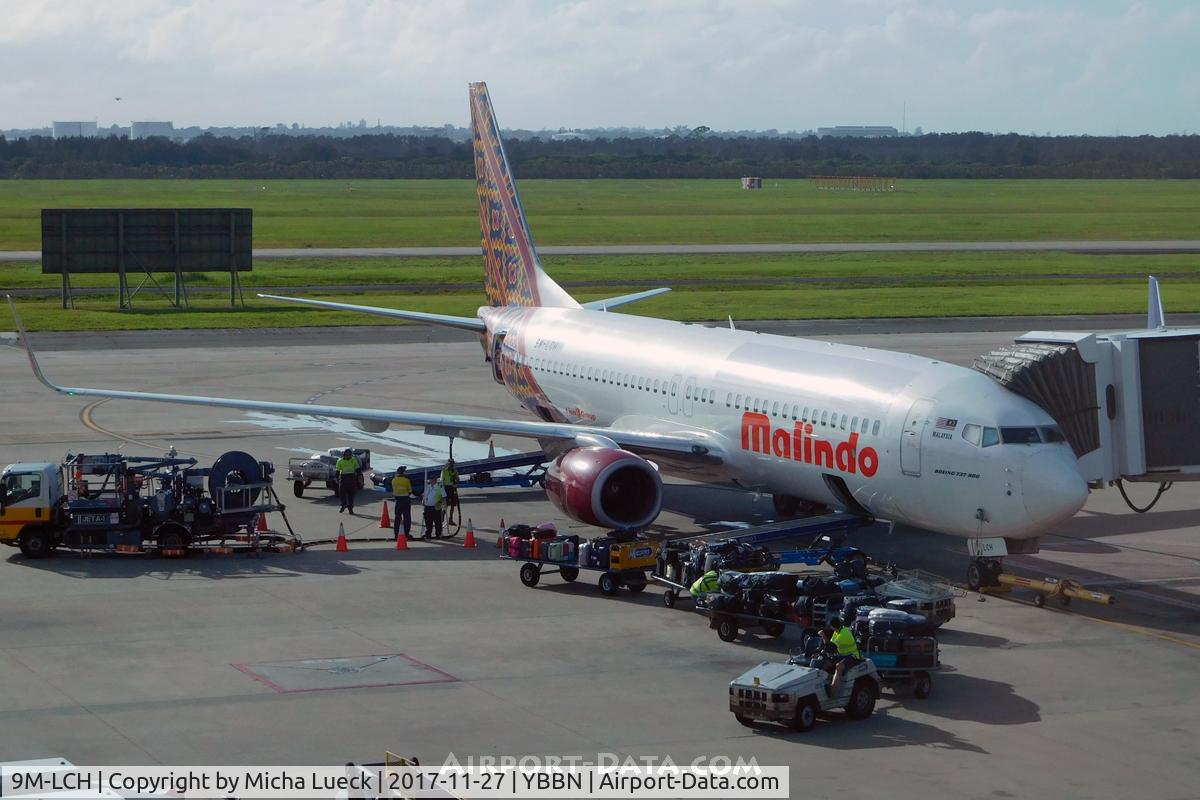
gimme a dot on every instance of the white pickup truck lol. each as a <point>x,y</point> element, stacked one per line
<point>320,468</point>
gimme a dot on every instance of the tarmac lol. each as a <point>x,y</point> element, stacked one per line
<point>321,657</point>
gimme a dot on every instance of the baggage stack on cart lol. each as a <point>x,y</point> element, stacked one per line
<point>619,559</point>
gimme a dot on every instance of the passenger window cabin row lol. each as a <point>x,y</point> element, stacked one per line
<point>623,379</point>
<point>825,418</point>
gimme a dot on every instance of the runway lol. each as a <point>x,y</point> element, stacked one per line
<point>133,660</point>
<point>1109,247</point>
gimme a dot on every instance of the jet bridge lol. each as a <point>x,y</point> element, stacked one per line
<point>1128,402</point>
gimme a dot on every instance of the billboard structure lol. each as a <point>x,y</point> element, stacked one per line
<point>147,242</point>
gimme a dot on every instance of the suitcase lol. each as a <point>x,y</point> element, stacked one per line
<point>535,549</point>
<point>514,547</point>
<point>523,546</point>
<point>887,627</point>
<point>554,551</point>
<point>568,551</point>
<point>918,644</point>
<point>883,644</point>
<point>884,660</point>
<point>905,605</point>
<point>597,554</point>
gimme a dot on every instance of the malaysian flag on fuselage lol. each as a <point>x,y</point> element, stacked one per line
<point>946,424</point>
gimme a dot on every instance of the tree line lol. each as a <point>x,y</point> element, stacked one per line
<point>944,155</point>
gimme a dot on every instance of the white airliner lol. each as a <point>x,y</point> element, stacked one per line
<point>617,397</point>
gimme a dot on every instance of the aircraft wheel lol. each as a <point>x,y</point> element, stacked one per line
<point>786,505</point>
<point>974,576</point>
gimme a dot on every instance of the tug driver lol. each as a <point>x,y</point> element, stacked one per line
<point>847,652</point>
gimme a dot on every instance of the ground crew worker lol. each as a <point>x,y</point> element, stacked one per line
<point>450,488</point>
<point>704,584</point>
<point>847,652</point>
<point>347,472</point>
<point>402,488</point>
<point>431,500</point>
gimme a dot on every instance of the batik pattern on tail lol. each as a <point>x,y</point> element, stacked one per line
<point>510,263</point>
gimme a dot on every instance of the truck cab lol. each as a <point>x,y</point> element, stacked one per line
<point>29,493</point>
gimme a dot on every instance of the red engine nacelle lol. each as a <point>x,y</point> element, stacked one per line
<point>606,487</point>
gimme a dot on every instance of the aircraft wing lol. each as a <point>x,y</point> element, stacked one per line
<point>691,444</point>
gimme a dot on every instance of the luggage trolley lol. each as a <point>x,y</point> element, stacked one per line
<point>625,565</point>
<point>904,661</point>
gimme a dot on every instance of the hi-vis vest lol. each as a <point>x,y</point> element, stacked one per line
<point>846,646</point>
<point>705,583</point>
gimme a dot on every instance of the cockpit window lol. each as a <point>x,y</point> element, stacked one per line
<point>991,436</point>
<point>1052,433</point>
<point>1020,436</point>
<point>972,433</point>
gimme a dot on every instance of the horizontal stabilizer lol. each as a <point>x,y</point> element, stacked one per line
<point>463,323</point>
<point>625,299</point>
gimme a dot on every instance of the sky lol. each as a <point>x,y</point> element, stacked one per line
<point>1093,67</point>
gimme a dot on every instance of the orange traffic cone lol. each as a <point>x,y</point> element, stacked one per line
<point>341,542</point>
<point>402,542</point>
<point>500,535</point>
<point>262,522</point>
<point>470,540</point>
<point>384,520</point>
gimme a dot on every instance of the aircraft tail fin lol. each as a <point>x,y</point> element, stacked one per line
<point>513,274</point>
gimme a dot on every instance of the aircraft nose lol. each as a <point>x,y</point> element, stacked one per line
<point>1052,487</point>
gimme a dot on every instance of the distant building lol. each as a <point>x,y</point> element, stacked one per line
<point>66,130</point>
<point>859,131</point>
<point>144,130</point>
<point>564,136</point>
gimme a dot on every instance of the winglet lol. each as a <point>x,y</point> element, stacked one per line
<point>730,318</point>
<point>33,362</point>
<point>1155,319</point>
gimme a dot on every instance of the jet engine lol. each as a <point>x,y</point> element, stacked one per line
<point>605,486</point>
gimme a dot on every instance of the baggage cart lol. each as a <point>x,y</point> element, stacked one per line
<point>909,662</point>
<point>728,624</point>
<point>609,581</point>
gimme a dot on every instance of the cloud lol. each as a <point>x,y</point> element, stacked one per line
<point>1067,67</point>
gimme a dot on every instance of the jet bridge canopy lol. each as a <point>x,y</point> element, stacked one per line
<point>1128,402</point>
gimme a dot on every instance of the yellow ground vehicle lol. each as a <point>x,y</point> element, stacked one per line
<point>29,494</point>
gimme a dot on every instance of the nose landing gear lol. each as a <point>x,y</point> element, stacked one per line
<point>984,572</point>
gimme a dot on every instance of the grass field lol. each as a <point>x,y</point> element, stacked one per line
<point>443,213</point>
<point>441,273</point>
<point>814,301</point>
<point>438,213</point>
